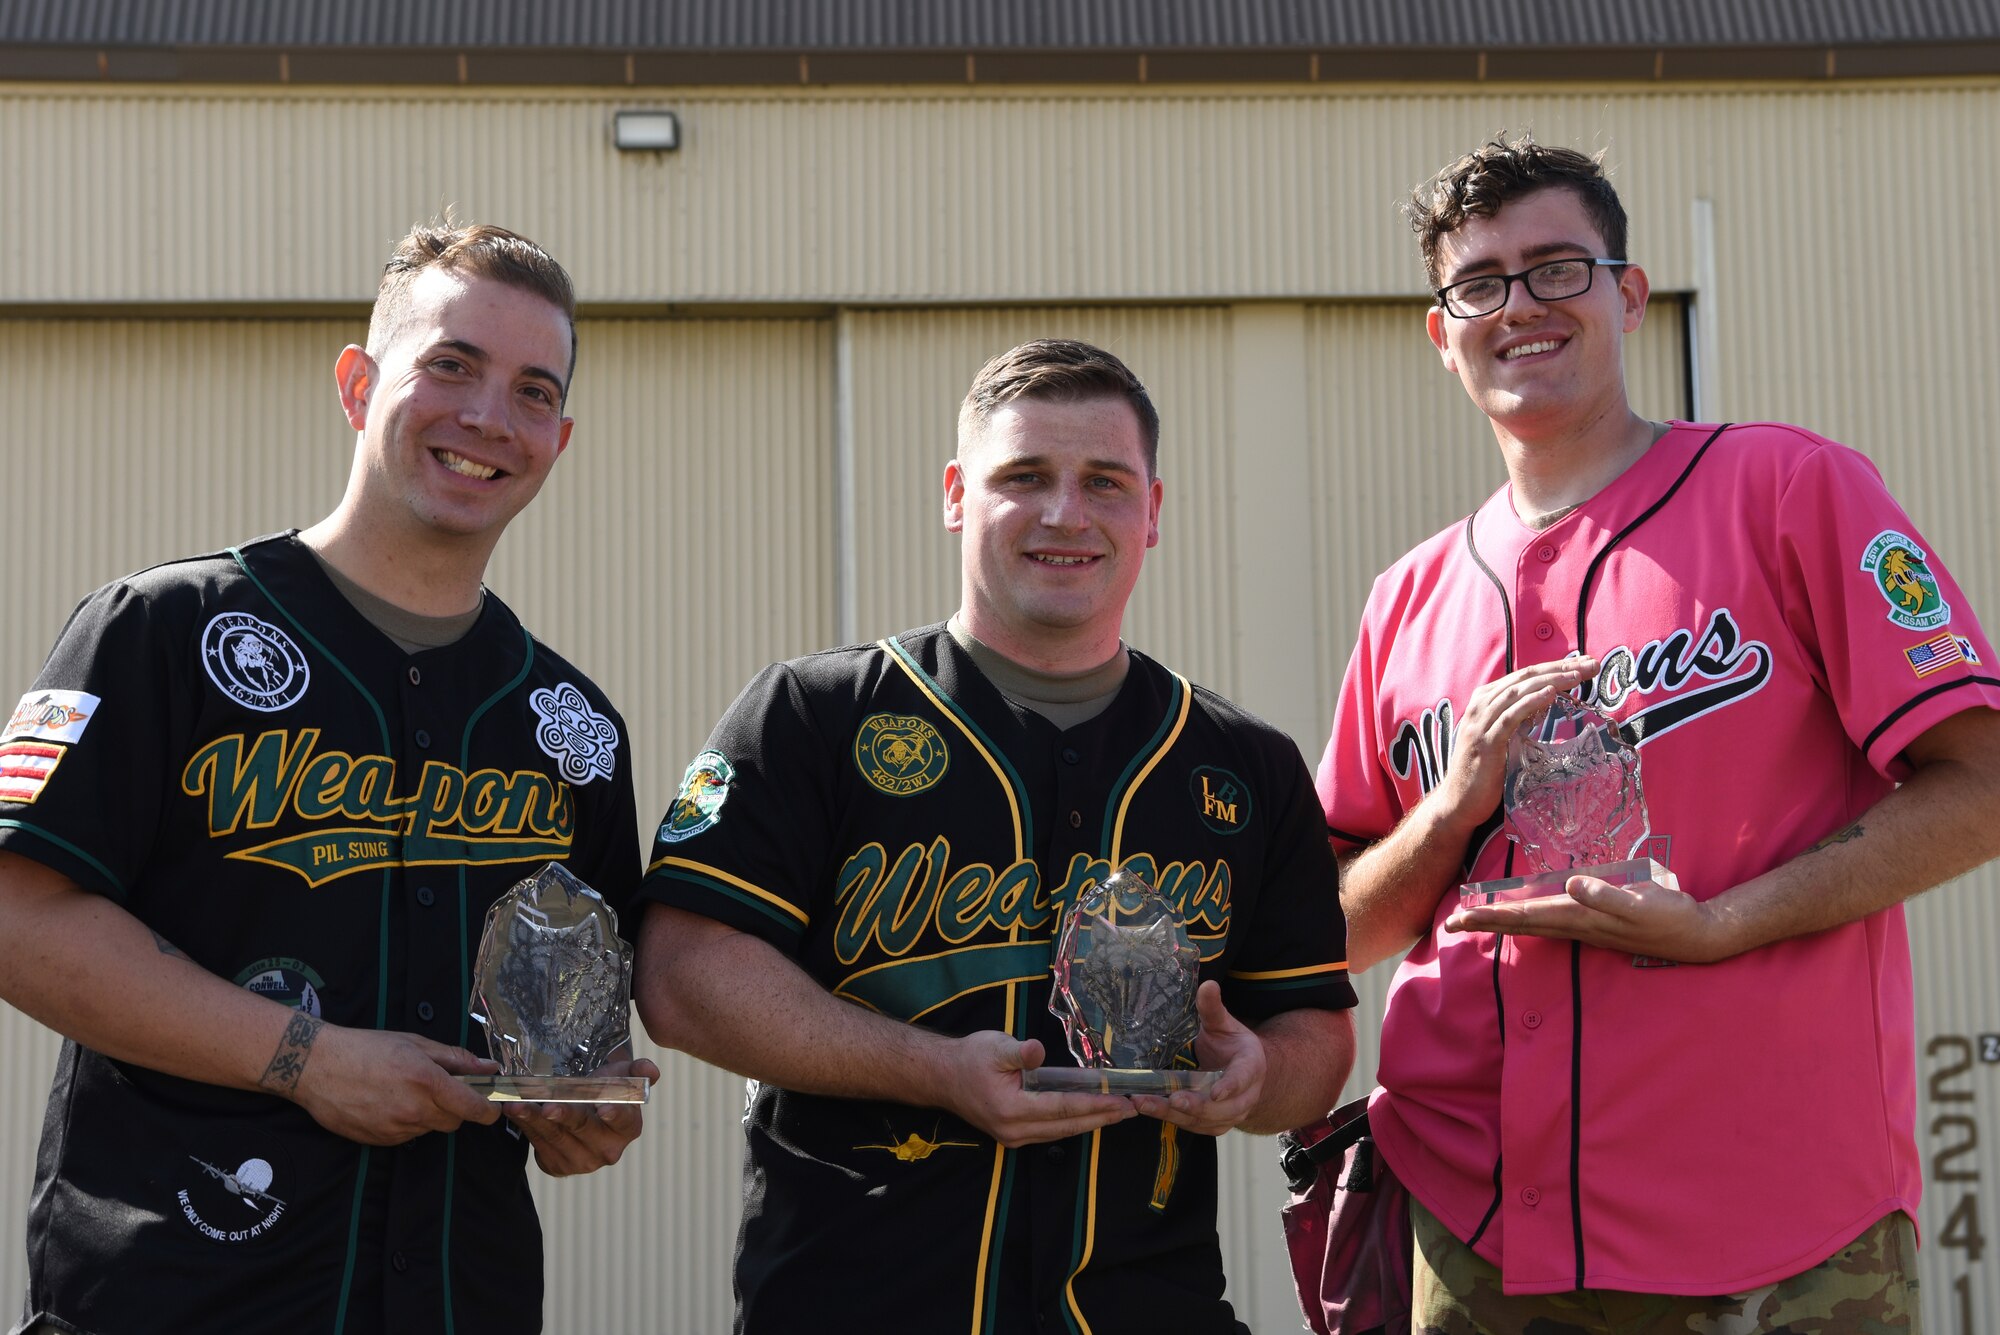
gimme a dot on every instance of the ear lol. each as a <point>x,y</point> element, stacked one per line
<point>1434,326</point>
<point>1158,493</point>
<point>1633,289</point>
<point>562,440</point>
<point>954,498</point>
<point>354,372</point>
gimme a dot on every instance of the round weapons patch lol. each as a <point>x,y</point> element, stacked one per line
<point>253,662</point>
<point>698,804</point>
<point>900,754</point>
<point>1905,582</point>
<point>579,739</point>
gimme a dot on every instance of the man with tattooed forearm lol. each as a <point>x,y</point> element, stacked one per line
<point>252,814</point>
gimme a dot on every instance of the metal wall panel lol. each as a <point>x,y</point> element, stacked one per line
<point>679,546</point>
<point>986,196</point>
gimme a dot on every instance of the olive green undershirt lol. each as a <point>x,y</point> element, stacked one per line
<point>1064,700</point>
<point>411,632</point>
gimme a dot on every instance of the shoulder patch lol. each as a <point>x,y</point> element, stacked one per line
<point>900,754</point>
<point>25,767</point>
<point>698,804</point>
<point>51,716</point>
<point>253,662</point>
<point>1221,799</point>
<point>582,742</point>
<point>1905,582</point>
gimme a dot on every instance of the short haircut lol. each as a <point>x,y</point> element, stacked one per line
<point>480,250</point>
<point>1502,170</point>
<point>1059,370</point>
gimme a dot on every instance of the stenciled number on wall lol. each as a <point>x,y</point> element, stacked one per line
<point>1954,1165</point>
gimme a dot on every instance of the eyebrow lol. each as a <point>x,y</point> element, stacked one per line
<point>1545,250</point>
<point>1042,461</point>
<point>474,351</point>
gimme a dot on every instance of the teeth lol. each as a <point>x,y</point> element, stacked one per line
<point>1062,560</point>
<point>463,466</point>
<point>1529,349</point>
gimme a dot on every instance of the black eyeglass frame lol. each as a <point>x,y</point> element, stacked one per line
<point>1507,281</point>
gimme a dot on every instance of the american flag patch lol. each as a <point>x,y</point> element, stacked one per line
<point>24,769</point>
<point>1939,651</point>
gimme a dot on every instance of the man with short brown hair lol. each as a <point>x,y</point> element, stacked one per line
<point>252,814</point>
<point>854,898</point>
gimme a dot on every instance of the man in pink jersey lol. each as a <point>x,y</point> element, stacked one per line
<point>1614,1104</point>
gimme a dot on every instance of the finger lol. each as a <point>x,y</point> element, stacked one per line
<point>647,1069</point>
<point>456,1060</point>
<point>1041,1132</point>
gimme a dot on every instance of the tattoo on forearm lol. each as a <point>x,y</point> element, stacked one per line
<point>167,947</point>
<point>1853,831</point>
<point>289,1061</point>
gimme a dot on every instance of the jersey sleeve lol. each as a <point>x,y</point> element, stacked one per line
<point>1294,948</point>
<point>610,861</point>
<point>1357,796</point>
<point>1874,605</point>
<point>738,842</point>
<point>86,757</point>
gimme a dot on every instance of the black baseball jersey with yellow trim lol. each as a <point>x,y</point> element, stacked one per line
<point>885,817</point>
<point>271,785</point>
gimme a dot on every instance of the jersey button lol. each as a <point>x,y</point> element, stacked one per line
<point>1076,820</point>
<point>426,896</point>
<point>1055,1153</point>
<point>1070,757</point>
<point>424,738</point>
<point>1544,553</point>
<point>1544,631</point>
<point>424,1011</point>
<point>416,676</point>
<point>1531,1196</point>
<point>401,1262</point>
<point>1532,1019</point>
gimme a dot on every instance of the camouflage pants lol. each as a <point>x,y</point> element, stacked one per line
<point>1868,1287</point>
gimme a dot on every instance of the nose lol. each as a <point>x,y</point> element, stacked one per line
<point>484,411</point>
<point>1521,304</point>
<point>1064,507</point>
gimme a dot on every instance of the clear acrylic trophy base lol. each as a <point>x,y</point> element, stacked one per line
<point>1115,1079</point>
<point>561,1088</point>
<point>1544,884</point>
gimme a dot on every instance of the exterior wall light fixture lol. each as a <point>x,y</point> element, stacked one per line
<point>646,131</point>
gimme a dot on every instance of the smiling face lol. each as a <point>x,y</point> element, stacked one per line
<point>1547,369</point>
<point>1057,507</point>
<point>460,410</point>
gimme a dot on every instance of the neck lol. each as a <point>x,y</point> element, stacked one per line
<point>426,573</point>
<point>1553,474</point>
<point>1057,653</point>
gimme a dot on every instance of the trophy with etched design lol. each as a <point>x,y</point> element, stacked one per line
<point>1125,978</point>
<point>553,987</point>
<point>1573,805</point>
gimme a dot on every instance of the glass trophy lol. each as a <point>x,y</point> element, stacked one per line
<point>553,987</point>
<point>1573,806</point>
<point>1125,978</point>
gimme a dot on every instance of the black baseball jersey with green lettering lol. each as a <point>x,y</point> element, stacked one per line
<point>885,817</point>
<point>225,747</point>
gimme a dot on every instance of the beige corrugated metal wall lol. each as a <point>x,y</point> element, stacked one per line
<point>742,490</point>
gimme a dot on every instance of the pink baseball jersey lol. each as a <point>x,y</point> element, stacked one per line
<point>1773,632</point>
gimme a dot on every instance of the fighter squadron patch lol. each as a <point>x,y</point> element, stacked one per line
<point>1905,582</point>
<point>698,804</point>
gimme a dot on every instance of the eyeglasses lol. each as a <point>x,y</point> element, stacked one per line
<point>1558,280</point>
